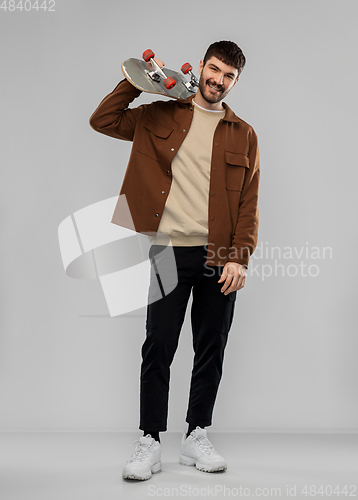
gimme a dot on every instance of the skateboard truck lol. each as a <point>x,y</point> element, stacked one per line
<point>157,74</point>
<point>194,82</point>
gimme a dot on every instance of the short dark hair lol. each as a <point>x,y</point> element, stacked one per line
<point>228,52</point>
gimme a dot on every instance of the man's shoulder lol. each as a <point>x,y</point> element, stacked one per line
<point>245,123</point>
<point>164,111</point>
<point>244,127</point>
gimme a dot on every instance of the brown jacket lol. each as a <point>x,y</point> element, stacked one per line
<point>157,131</point>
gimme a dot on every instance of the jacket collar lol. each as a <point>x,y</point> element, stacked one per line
<point>229,115</point>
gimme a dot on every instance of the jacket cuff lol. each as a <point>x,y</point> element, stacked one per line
<point>239,255</point>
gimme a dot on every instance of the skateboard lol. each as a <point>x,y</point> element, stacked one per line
<point>148,76</point>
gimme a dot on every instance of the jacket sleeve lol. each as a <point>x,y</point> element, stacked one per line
<point>112,116</point>
<point>246,232</point>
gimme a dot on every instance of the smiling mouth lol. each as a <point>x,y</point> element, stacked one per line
<point>216,89</point>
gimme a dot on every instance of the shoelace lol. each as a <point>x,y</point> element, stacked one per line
<point>205,445</point>
<point>141,451</point>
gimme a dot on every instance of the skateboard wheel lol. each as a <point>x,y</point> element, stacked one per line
<point>147,55</point>
<point>169,83</point>
<point>186,68</point>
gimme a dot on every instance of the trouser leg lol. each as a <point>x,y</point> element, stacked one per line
<point>211,317</point>
<point>164,322</point>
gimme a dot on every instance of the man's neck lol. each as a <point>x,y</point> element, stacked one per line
<point>212,106</point>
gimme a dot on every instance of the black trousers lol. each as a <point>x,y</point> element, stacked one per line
<point>211,319</point>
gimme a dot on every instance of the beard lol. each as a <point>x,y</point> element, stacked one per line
<point>208,95</point>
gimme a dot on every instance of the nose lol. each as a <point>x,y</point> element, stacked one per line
<point>219,79</point>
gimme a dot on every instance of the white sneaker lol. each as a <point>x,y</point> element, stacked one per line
<point>145,460</point>
<point>197,450</point>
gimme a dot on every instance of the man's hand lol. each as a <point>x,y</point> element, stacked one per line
<point>159,62</point>
<point>234,275</point>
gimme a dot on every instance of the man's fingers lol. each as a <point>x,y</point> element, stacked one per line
<point>228,282</point>
<point>233,278</point>
<point>159,62</point>
<point>241,282</point>
<point>227,273</point>
<point>222,277</point>
<point>233,285</point>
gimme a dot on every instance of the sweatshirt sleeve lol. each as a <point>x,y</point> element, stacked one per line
<point>246,232</point>
<point>113,117</point>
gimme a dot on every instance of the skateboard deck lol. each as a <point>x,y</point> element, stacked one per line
<point>147,76</point>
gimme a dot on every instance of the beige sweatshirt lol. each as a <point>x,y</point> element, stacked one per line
<point>185,216</point>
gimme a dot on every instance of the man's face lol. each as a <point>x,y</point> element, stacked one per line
<point>216,79</point>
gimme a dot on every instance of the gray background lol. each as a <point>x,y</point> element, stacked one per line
<point>291,357</point>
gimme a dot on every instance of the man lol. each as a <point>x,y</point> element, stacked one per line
<point>193,177</point>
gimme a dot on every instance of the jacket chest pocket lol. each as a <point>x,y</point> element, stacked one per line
<point>236,167</point>
<point>152,139</point>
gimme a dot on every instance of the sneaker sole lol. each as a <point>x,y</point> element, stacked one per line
<point>184,460</point>
<point>147,475</point>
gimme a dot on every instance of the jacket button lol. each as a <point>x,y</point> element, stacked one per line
<point>183,129</point>
<point>168,172</point>
<point>212,218</point>
<point>216,144</point>
<point>172,149</point>
<point>157,215</point>
<point>214,168</point>
<point>191,109</point>
<point>163,192</point>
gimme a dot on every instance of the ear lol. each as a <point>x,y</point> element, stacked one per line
<point>201,65</point>
<point>237,79</point>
